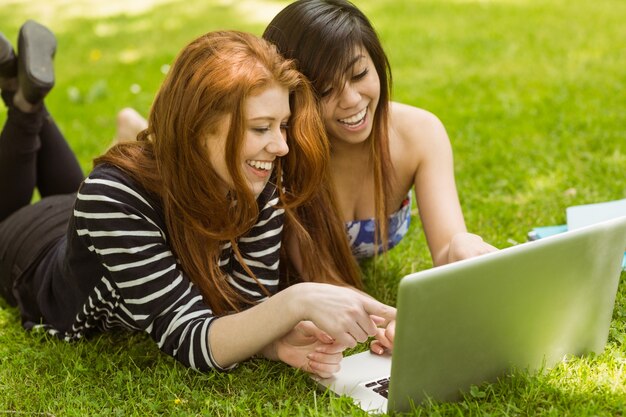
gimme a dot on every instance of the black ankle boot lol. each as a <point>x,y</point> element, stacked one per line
<point>8,61</point>
<point>36,46</point>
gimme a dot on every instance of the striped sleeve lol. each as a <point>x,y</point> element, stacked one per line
<point>260,249</point>
<point>125,231</point>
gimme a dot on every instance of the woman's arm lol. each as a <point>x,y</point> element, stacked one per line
<point>426,145</point>
<point>342,313</point>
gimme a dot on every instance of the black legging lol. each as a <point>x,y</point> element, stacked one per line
<point>33,153</point>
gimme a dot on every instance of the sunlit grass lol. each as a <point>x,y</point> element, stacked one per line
<point>532,96</point>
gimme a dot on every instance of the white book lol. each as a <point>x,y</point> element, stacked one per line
<point>587,214</point>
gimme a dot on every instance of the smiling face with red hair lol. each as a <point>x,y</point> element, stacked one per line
<point>234,117</point>
<point>265,138</point>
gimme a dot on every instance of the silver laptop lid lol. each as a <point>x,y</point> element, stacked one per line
<point>522,307</point>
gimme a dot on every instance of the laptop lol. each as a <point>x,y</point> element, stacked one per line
<point>526,307</point>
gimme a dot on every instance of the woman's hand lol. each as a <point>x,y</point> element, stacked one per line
<point>342,312</point>
<point>384,339</point>
<point>308,348</point>
<point>467,245</point>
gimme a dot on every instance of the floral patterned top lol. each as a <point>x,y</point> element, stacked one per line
<point>361,232</point>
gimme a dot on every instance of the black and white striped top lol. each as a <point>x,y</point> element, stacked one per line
<point>116,269</point>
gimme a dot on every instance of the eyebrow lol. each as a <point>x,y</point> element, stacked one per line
<point>268,118</point>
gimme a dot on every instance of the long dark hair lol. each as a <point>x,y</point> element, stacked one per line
<point>323,36</point>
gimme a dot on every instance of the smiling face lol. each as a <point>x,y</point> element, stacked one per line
<point>265,138</point>
<point>348,112</point>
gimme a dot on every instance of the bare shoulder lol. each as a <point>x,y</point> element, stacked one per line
<point>415,128</point>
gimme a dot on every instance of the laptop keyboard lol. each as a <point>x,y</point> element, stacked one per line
<point>380,386</point>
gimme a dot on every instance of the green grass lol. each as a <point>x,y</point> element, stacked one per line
<point>532,95</point>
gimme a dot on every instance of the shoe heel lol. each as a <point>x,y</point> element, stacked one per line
<point>35,69</point>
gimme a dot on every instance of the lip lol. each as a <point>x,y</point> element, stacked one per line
<point>359,115</point>
<point>357,128</point>
<point>259,173</point>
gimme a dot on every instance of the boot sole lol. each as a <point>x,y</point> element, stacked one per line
<point>36,49</point>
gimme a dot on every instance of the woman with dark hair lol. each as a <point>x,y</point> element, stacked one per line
<point>179,233</point>
<point>380,149</point>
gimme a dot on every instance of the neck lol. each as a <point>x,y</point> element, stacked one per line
<point>350,159</point>
<point>340,149</point>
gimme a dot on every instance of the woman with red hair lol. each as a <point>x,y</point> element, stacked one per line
<point>179,233</point>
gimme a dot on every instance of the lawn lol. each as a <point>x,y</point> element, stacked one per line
<point>532,94</point>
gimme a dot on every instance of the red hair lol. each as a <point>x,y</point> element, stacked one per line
<point>210,79</point>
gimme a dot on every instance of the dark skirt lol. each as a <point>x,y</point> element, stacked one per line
<point>26,235</point>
